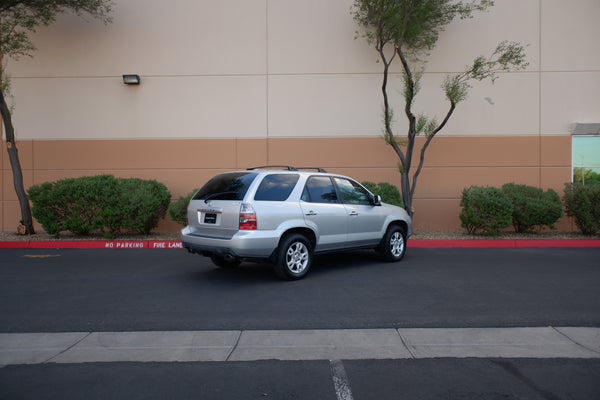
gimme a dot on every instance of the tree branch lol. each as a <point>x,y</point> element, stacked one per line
<point>390,137</point>
<point>426,145</point>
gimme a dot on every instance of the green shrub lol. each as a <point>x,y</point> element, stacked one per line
<point>99,203</point>
<point>71,204</point>
<point>532,207</point>
<point>388,192</point>
<point>485,210</point>
<point>142,203</point>
<point>582,202</point>
<point>178,209</point>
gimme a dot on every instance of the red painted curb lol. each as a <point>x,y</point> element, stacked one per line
<point>505,243</point>
<point>417,243</point>
<point>461,243</point>
<point>92,244</point>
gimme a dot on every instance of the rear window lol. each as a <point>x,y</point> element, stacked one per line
<point>276,187</point>
<point>229,186</point>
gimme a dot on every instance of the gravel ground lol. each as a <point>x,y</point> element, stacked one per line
<point>41,235</point>
<point>462,234</point>
<point>418,234</point>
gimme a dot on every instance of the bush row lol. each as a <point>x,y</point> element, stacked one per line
<point>110,205</point>
<point>99,203</point>
<point>488,210</point>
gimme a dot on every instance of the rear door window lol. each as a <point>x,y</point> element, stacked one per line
<point>276,187</point>
<point>229,186</point>
<point>319,189</point>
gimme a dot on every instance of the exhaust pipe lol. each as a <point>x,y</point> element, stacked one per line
<point>229,257</point>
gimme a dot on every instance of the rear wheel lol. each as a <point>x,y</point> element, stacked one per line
<point>393,244</point>
<point>294,257</point>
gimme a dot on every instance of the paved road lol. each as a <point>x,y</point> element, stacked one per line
<point>455,379</point>
<point>141,290</point>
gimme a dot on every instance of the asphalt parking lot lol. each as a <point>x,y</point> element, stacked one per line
<point>83,290</point>
<point>462,295</point>
<point>448,378</point>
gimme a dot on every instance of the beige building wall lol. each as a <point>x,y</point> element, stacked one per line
<point>238,83</point>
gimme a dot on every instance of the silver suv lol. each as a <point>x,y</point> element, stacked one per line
<point>286,215</point>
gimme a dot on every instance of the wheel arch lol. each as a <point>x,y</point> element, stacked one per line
<point>397,222</point>
<point>400,223</point>
<point>306,232</point>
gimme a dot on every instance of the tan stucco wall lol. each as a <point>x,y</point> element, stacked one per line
<point>452,163</point>
<point>281,68</point>
<point>233,83</point>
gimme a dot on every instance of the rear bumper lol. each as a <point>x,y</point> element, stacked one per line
<point>244,244</point>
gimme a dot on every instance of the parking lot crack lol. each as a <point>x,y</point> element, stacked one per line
<point>235,346</point>
<point>574,341</point>
<point>406,346</point>
<point>512,369</point>
<point>68,348</point>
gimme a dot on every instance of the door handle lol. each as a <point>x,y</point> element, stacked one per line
<point>352,213</point>
<point>311,213</point>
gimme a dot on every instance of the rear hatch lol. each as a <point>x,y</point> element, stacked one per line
<point>215,210</point>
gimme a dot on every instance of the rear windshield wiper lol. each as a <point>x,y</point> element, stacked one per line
<point>214,195</point>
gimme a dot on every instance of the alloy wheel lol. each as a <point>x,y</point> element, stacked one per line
<point>297,257</point>
<point>396,244</point>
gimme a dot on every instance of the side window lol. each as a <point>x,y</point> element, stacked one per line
<point>319,189</point>
<point>276,187</point>
<point>352,192</point>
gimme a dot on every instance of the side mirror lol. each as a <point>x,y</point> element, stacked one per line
<point>376,200</point>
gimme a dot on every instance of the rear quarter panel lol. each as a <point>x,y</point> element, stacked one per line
<point>273,215</point>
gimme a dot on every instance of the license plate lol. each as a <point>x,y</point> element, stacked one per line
<point>210,218</point>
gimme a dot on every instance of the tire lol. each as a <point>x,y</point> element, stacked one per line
<point>393,244</point>
<point>294,257</point>
<point>222,262</point>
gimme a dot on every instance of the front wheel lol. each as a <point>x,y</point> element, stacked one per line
<point>393,244</point>
<point>294,257</point>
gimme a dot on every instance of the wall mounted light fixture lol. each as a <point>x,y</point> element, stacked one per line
<point>131,79</point>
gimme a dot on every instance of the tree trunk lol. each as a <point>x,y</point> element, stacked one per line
<point>15,165</point>
<point>406,193</point>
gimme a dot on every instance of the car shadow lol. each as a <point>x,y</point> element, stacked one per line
<point>354,259</point>
<point>249,272</point>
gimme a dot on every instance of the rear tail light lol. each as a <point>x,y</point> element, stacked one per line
<point>247,217</point>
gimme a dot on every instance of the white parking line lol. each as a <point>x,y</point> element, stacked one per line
<point>340,380</point>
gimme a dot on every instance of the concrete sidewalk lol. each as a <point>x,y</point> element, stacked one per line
<point>190,346</point>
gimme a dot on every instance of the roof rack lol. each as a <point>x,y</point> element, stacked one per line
<point>318,169</point>
<point>286,167</point>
